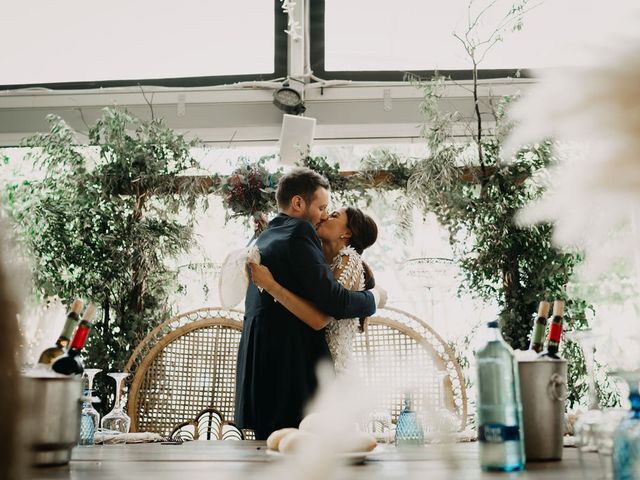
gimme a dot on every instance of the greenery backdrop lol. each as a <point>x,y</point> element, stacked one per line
<point>103,222</point>
<point>90,231</point>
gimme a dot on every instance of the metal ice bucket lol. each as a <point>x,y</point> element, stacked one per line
<point>52,417</point>
<point>543,389</point>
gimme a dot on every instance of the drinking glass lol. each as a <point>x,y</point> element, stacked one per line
<point>89,416</point>
<point>604,433</point>
<point>379,425</point>
<point>587,422</point>
<point>446,422</point>
<point>117,419</point>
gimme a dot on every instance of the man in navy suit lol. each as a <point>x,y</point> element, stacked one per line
<point>278,354</point>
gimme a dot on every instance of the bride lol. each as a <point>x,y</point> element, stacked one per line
<point>345,235</point>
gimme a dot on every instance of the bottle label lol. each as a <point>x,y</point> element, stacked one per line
<point>555,332</point>
<point>69,326</point>
<point>80,338</point>
<point>538,334</point>
<point>498,433</point>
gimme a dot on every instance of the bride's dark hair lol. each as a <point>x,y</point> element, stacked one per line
<point>364,231</point>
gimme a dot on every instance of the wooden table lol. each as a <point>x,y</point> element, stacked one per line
<point>231,460</point>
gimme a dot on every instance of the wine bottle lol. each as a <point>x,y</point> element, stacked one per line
<point>555,331</point>
<point>539,327</point>
<point>71,363</point>
<point>50,354</point>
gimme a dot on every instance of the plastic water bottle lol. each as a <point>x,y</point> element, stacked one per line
<point>499,407</point>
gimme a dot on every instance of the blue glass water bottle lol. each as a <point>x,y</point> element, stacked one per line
<point>88,420</point>
<point>408,428</point>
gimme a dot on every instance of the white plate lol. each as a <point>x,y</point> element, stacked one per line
<point>353,457</point>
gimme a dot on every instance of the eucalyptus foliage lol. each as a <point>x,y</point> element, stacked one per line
<point>104,221</point>
<point>476,195</point>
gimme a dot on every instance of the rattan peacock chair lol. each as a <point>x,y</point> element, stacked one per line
<point>185,366</point>
<point>403,353</point>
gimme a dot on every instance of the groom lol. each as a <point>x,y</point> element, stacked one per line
<point>278,354</point>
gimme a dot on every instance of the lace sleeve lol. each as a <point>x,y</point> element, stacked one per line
<point>349,271</point>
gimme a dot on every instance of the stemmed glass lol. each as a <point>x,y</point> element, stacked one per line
<point>441,422</point>
<point>587,423</point>
<point>626,453</point>
<point>447,420</point>
<point>89,417</point>
<point>117,419</point>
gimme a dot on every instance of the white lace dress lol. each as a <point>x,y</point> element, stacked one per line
<point>347,268</point>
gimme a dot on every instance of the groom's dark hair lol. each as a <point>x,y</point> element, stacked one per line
<point>299,181</point>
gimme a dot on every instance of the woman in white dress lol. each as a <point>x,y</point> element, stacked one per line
<point>345,235</point>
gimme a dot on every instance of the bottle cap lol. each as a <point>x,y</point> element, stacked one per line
<point>89,312</point>
<point>76,306</point>
<point>543,309</point>
<point>492,324</point>
<point>558,308</point>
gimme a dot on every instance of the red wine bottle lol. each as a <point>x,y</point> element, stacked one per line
<point>71,363</point>
<point>48,356</point>
<point>539,327</point>
<point>555,331</point>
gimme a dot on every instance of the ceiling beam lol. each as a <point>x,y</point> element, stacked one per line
<point>373,112</point>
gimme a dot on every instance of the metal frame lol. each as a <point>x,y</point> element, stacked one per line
<point>244,114</point>
<point>317,60</point>
<point>279,64</point>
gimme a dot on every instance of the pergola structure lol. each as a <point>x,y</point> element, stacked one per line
<point>377,109</point>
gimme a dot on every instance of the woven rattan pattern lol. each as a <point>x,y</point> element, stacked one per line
<point>186,365</point>
<point>401,352</point>
<point>199,348</point>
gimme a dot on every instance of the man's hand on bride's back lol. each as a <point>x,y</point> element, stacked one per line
<point>261,276</point>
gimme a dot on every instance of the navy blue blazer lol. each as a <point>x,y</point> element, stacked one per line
<point>278,354</point>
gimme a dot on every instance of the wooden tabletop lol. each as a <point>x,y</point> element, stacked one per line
<point>231,460</point>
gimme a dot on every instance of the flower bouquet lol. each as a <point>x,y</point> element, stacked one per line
<point>250,190</point>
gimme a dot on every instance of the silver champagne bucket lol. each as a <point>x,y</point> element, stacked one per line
<point>52,417</point>
<point>543,388</point>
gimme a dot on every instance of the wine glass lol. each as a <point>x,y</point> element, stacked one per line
<point>117,419</point>
<point>447,421</point>
<point>626,438</point>
<point>89,416</point>
<point>604,432</point>
<point>586,424</point>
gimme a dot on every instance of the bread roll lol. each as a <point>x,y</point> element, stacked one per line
<point>314,422</point>
<point>273,442</point>
<point>294,441</point>
<point>358,442</point>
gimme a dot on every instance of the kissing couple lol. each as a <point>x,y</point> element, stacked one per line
<point>303,304</point>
